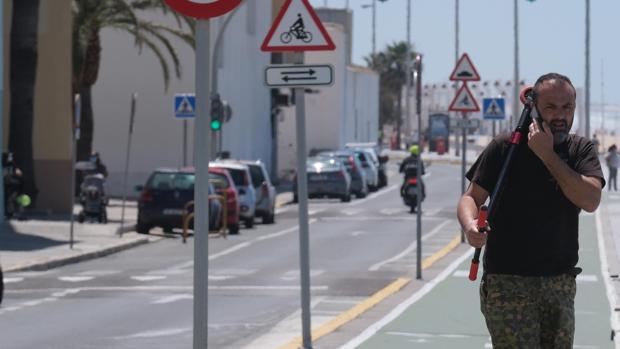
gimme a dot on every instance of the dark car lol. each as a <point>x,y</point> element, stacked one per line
<point>359,183</point>
<point>164,197</point>
<point>327,177</point>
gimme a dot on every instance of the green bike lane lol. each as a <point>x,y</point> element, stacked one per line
<point>445,312</point>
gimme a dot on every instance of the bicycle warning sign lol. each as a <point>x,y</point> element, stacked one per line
<point>297,28</point>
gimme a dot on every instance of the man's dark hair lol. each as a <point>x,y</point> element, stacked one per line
<point>553,76</point>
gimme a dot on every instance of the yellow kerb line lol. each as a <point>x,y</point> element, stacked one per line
<point>373,300</point>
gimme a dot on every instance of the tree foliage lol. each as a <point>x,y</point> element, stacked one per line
<point>90,17</point>
<point>391,65</point>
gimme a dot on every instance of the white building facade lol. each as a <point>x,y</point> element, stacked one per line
<point>158,138</point>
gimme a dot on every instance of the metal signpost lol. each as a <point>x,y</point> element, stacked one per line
<point>202,11</point>
<point>308,34</point>
<point>184,108</point>
<point>132,115</point>
<point>464,101</point>
<point>77,110</point>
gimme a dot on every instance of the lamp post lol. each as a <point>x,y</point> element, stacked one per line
<point>587,111</point>
<point>373,6</point>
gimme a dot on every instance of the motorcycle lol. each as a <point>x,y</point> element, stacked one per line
<point>409,193</point>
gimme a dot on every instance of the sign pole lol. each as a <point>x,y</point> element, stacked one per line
<point>132,115</point>
<point>184,142</point>
<point>77,110</point>
<point>463,164</point>
<point>201,191</point>
<point>302,194</point>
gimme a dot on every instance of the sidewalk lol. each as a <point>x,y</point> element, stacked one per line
<point>44,243</point>
<point>445,313</point>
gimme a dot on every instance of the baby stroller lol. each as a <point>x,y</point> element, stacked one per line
<point>93,199</point>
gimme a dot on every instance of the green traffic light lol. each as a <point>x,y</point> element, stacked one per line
<point>216,125</point>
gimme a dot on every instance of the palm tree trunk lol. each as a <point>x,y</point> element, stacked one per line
<point>399,116</point>
<point>23,72</point>
<point>88,77</point>
<point>85,143</point>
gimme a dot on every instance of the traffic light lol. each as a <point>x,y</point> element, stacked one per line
<point>217,112</point>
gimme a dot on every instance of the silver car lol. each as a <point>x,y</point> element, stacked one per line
<point>265,191</point>
<point>370,168</point>
<point>327,177</point>
<point>240,174</point>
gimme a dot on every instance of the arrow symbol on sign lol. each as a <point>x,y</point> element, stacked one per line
<point>309,72</point>
<point>287,78</point>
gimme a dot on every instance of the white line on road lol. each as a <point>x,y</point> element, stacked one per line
<point>148,277</point>
<point>156,333</point>
<point>428,287</point>
<point>12,280</point>
<point>75,278</point>
<point>410,248</point>
<point>173,298</point>
<point>373,195</point>
<point>611,290</point>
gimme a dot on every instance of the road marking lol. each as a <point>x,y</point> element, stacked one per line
<point>373,195</point>
<point>283,232</point>
<point>351,211</point>
<point>410,248</point>
<point>220,277</point>
<point>442,253</point>
<point>611,290</point>
<point>357,233</point>
<point>427,335</point>
<point>156,333</point>
<point>148,277</point>
<point>75,278</point>
<point>294,274</point>
<point>173,298</point>
<point>98,272</point>
<point>392,211</point>
<point>428,287</point>
<point>12,280</point>
<point>352,313</point>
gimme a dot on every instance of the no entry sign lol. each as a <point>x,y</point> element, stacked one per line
<point>203,8</point>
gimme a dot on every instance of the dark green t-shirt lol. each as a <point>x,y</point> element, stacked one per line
<point>535,227</point>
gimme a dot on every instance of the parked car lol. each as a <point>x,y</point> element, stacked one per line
<point>224,185</point>
<point>380,160</point>
<point>265,191</point>
<point>327,177</point>
<point>164,197</point>
<point>370,168</point>
<point>359,183</point>
<point>240,174</point>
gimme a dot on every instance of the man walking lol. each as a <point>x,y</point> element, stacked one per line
<point>613,161</point>
<point>528,285</point>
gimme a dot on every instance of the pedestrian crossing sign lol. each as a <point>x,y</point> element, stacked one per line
<point>184,105</point>
<point>464,101</point>
<point>494,108</point>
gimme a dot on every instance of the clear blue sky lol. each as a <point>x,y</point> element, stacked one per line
<point>551,37</point>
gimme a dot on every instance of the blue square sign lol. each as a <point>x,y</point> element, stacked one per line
<point>494,108</point>
<point>184,105</point>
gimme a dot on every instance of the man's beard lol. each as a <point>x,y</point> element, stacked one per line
<point>560,132</point>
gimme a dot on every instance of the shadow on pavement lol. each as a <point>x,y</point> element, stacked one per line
<point>11,240</point>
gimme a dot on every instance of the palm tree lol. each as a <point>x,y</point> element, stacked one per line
<point>89,18</point>
<point>391,66</point>
<point>23,66</point>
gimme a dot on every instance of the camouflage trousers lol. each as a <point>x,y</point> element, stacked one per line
<point>529,312</point>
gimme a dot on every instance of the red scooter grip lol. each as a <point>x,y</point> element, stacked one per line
<point>482,224</point>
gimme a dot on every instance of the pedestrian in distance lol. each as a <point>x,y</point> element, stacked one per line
<point>613,160</point>
<point>596,143</point>
<point>528,285</point>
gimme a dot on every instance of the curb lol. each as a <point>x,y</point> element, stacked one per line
<point>61,261</point>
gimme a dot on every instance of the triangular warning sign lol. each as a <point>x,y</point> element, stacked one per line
<point>494,109</point>
<point>464,70</point>
<point>297,28</point>
<point>185,107</point>
<point>464,101</point>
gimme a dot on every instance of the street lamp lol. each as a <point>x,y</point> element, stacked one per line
<point>373,6</point>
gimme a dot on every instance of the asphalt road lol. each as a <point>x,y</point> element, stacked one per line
<point>142,298</point>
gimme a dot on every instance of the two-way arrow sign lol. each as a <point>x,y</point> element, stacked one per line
<point>299,75</point>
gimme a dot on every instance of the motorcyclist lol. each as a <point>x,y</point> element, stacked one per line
<point>409,167</point>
